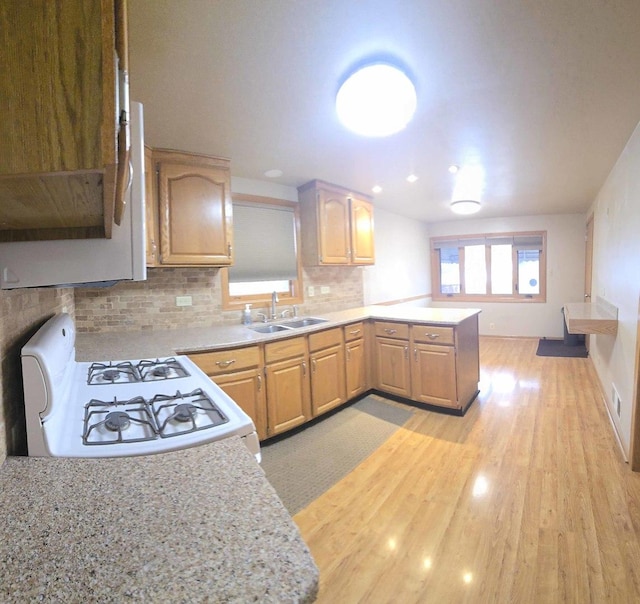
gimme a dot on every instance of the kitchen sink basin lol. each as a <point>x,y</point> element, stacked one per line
<point>270,328</point>
<point>296,324</point>
<point>304,322</point>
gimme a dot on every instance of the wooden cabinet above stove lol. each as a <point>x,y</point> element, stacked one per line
<point>58,135</point>
<point>189,211</point>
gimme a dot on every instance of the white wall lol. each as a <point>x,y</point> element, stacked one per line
<point>565,273</point>
<point>616,278</point>
<point>402,267</point>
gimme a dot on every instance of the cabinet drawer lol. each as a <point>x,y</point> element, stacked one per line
<point>432,334</point>
<point>386,329</point>
<point>284,349</point>
<point>324,339</point>
<point>354,331</point>
<point>225,361</point>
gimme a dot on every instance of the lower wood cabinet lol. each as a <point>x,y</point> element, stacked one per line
<point>328,379</point>
<point>355,362</point>
<point>287,376</point>
<point>433,375</point>
<point>392,366</point>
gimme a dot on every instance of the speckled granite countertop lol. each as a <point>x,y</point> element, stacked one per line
<point>139,344</point>
<point>198,525</point>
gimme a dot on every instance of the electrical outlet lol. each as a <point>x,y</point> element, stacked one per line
<point>311,291</point>
<point>492,326</point>
<point>184,301</point>
<point>325,289</point>
<point>615,399</point>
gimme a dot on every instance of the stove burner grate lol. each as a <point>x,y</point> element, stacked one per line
<point>110,373</point>
<point>112,422</point>
<point>161,369</point>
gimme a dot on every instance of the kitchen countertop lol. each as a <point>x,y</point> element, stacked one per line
<point>144,344</point>
<point>197,525</point>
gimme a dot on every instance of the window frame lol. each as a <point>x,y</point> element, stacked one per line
<point>295,295</point>
<point>437,295</point>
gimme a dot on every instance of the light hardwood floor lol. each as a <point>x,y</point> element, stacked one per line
<point>524,499</point>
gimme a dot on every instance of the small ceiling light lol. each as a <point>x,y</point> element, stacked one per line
<point>465,206</point>
<point>376,100</point>
<point>412,178</point>
<point>453,168</point>
<point>273,173</point>
<point>377,189</point>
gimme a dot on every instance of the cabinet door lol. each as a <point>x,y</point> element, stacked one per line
<point>288,403</point>
<point>392,366</point>
<point>434,375</point>
<point>362,248</point>
<point>333,225</point>
<point>195,214</point>
<point>246,389</point>
<point>355,365</point>
<point>327,379</point>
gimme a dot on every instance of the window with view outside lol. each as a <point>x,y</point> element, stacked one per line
<point>493,267</point>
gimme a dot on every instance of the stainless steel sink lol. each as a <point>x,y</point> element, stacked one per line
<point>296,324</point>
<point>304,322</point>
<point>270,328</point>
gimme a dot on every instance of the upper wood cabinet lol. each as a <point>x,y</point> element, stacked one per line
<point>337,225</point>
<point>63,128</point>
<point>189,213</point>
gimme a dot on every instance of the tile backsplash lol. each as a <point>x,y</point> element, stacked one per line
<point>151,304</point>
<point>22,312</point>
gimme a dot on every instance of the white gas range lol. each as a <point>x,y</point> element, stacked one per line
<point>120,408</point>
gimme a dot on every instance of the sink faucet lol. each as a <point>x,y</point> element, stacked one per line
<point>274,300</point>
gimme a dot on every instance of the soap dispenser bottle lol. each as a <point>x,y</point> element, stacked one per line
<point>246,315</point>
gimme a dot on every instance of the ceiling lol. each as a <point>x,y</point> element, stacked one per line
<point>539,97</point>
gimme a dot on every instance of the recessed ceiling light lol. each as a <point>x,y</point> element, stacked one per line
<point>376,100</point>
<point>453,168</point>
<point>465,206</point>
<point>273,173</point>
<point>412,178</point>
<point>377,189</point>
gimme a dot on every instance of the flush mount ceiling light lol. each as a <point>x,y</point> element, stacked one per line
<point>412,178</point>
<point>377,189</point>
<point>465,206</point>
<point>275,173</point>
<point>377,100</point>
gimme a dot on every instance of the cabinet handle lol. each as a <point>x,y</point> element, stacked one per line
<point>390,331</point>
<point>432,336</point>
<point>348,354</point>
<point>259,382</point>
<point>229,248</point>
<point>225,363</point>
<point>354,332</point>
<point>313,365</point>
<point>415,354</point>
<point>406,352</point>
<point>304,368</point>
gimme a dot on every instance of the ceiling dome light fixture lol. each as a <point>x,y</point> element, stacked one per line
<point>377,100</point>
<point>465,206</point>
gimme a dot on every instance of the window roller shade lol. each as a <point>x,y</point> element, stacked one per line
<point>265,244</point>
